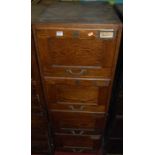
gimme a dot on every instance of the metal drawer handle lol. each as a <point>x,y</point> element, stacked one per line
<point>75,133</point>
<point>78,150</point>
<point>83,71</point>
<point>76,109</point>
<point>38,98</point>
<point>95,137</point>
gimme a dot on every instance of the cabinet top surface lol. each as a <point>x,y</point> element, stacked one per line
<point>74,12</point>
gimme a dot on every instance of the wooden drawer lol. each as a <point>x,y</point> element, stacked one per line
<point>89,141</point>
<point>78,131</point>
<point>76,149</point>
<point>77,120</point>
<point>77,53</point>
<point>77,108</point>
<point>76,91</point>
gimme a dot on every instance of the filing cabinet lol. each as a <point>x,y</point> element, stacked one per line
<point>77,48</point>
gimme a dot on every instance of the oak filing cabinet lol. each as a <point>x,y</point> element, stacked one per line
<point>77,47</point>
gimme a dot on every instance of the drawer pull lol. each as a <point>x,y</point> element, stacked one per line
<point>76,133</point>
<point>38,98</point>
<point>76,109</point>
<point>95,137</point>
<point>82,72</point>
<point>78,150</point>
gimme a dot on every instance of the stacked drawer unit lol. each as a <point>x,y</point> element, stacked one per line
<point>77,64</point>
<point>39,122</point>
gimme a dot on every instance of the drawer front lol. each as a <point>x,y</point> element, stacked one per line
<point>77,108</point>
<point>78,131</point>
<point>77,52</point>
<point>76,149</point>
<point>77,92</point>
<point>77,120</point>
<point>89,141</point>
